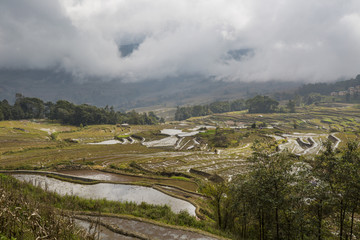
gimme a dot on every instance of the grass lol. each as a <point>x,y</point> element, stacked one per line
<point>24,217</point>
<point>73,153</point>
<point>123,136</point>
<point>93,133</point>
<point>208,132</point>
<point>180,178</point>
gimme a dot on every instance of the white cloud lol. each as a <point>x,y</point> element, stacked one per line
<point>290,40</point>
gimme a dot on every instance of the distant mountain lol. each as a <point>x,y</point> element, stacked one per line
<point>54,85</point>
<point>327,88</point>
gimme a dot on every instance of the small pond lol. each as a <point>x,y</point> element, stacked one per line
<point>109,191</point>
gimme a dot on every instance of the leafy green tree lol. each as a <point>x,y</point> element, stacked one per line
<point>313,98</point>
<point>1,115</point>
<point>31,107</point>
<point>261,104</point>
<point>69,113</point>
<point>237,105</point>
<point>6,110</point>
<point>63,111</point>
<point>219,107</point>
<point>341,172</point>
<point>182,113</point>
<point>215,107</point>
<point>291,106</point>
<point>48,109</point>
<point>17,112</point>
<point>217,193</point>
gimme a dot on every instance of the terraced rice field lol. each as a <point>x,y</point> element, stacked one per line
<point>174,158</point>
<point>177,146</point>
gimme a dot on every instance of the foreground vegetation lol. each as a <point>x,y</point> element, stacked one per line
<point>28,212</point>
<point>24,216</point>
<point>282,196</point>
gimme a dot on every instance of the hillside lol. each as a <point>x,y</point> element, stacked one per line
<point>54,85</point>
<point>327,88</point>
<point>190,165</point>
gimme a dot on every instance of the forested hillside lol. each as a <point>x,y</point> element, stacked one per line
<point>54,85</point>
<point>69,113</point>
<point>327,88</point>
<point>215,107</point>
<point>257,104</point>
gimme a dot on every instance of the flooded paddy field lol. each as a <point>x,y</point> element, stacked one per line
<point>113,192</point>
<point>149,230</point>
<point>305,143</point>
<point>124,178</point>
<point>100,231</point>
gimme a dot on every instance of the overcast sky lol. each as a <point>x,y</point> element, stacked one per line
<point>248,40</point>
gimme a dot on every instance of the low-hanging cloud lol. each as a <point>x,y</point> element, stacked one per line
<point>248,40</point>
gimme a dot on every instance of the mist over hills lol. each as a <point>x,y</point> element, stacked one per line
<point>51,85</point>
<point>133,54</point>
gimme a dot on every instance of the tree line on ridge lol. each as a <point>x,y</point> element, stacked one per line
<point>69,113</point>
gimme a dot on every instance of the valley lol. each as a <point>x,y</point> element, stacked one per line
<point>177,159</point>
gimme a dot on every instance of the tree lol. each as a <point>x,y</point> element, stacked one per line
<point>31,107</point>
<point>6,109</point>
<point>271,175</point>
<point>342,173</point>
<point>17,112</point>
<point>1,115</point>
<point>237,105</point>
<point>291,106</point>
<point>220,139</point>
<point>182,113</point>
<point>217,193</point>
<point>261,104</point>
<point>219,107</point>
<point>313,98</point>
<point>69,113</point>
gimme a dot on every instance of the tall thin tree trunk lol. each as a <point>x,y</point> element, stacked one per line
<point>277,223</point>
<point>352,222</point>
<point>263,224</point>
<point>342,218</point>
<point>260,226</point>
<point>225,218</point>
<point>244,221</point>
<point>288,234</point>
<point>320,221</point>
<point>219,214</point>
